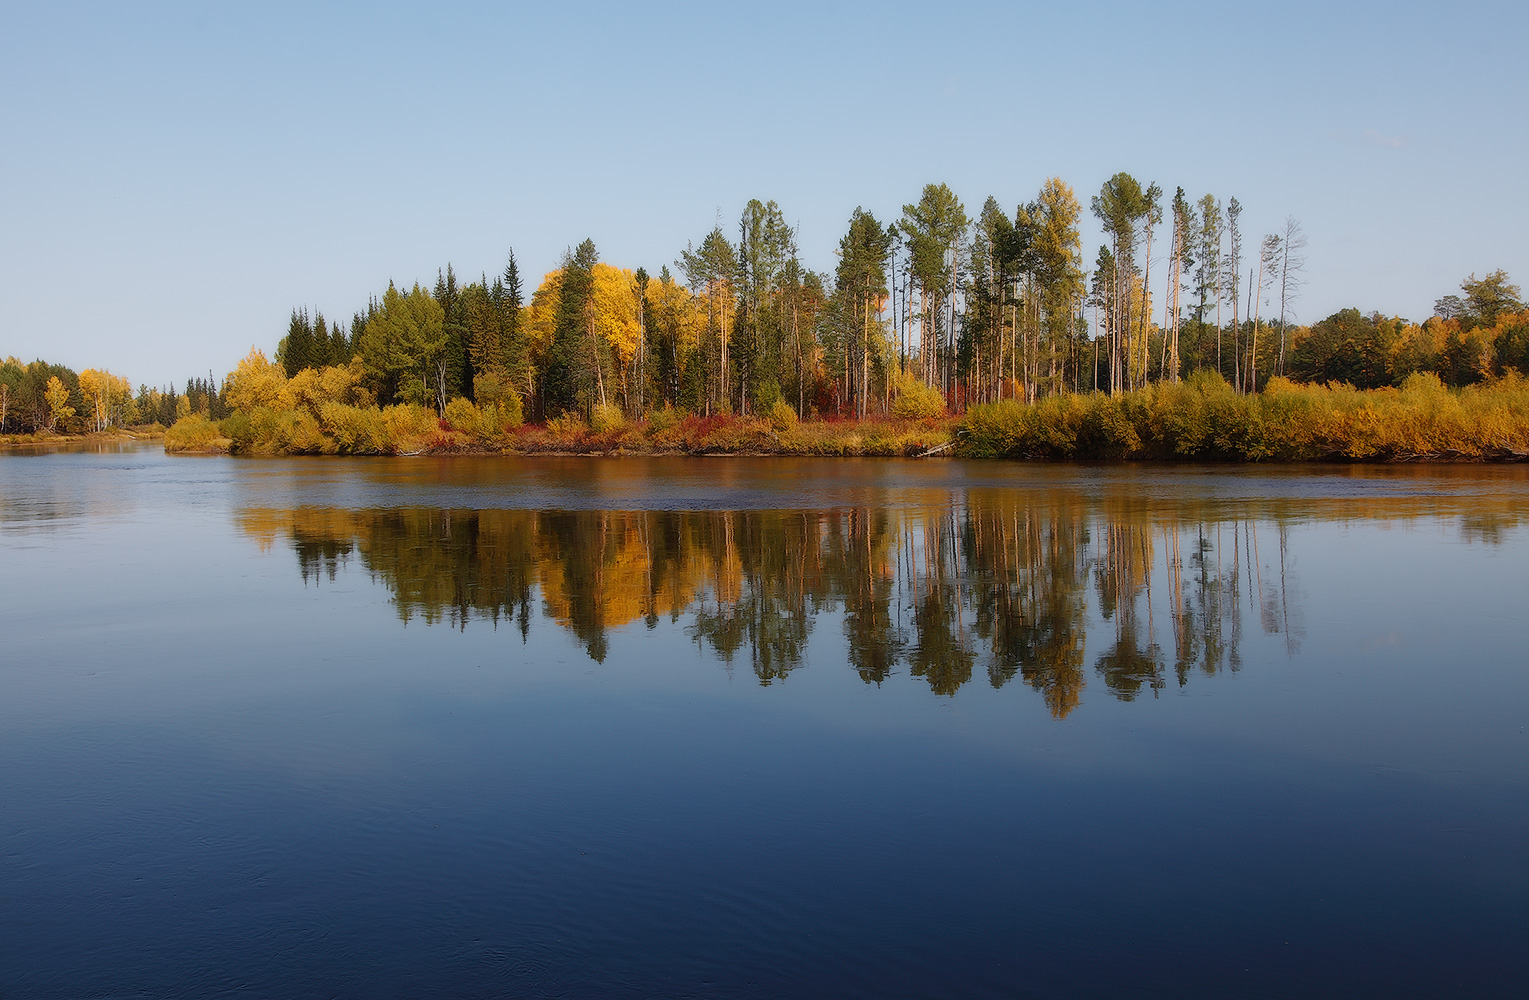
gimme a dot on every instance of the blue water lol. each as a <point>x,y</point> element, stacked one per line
<point>345,728</point>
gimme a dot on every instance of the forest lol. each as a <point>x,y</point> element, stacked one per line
<point>933,315</point>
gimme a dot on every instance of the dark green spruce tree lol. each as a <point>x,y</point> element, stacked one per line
<point>569,372</point>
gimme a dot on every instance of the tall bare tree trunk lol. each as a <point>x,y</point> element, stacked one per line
<point>1146,307</point>
<point>1253,351</point>
<point>722,318</point>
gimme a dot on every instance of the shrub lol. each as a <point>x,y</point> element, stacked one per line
<point>262,430</point>
<point>239,428</point>
<point>462,415</point>
<point>194,433</point>
<point>355,430</point>
<point>782,416</point>
<point>662,420</point>
<point>606,417</point>
<point>301,434</point>
<point>511,412</point>
<point>498,404</point>
<point>566,427</point>
<point>410,428</point>
<point>917,401</point>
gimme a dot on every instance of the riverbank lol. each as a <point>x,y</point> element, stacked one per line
<point>414,431</point>
<point>46,439</point>
<point>1202,419</point>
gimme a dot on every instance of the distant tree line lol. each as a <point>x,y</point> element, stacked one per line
<point>931,311</point>
<point>40,397</point>
<point>935,306</point>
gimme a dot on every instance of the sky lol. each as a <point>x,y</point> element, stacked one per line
<point>175,179</point>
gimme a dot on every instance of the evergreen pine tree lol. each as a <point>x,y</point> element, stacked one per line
<point>511,341</point>
<point>295,348</point>
<point>565,384</point>
<point>459,366</point>
<point>318,345</point>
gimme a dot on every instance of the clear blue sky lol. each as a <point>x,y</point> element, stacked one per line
<point>175,178</point>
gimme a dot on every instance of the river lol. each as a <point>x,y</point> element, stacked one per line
<point>707,727</point>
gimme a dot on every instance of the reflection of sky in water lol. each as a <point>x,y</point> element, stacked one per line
<point>227,774</point>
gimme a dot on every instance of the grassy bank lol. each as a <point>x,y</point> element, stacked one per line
<point>466,429</point>
<point>1204,419</point>
<point>145,432</point>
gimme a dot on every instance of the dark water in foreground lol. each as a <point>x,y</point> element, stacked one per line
<point>738,728</point>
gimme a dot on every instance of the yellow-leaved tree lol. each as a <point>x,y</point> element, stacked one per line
<point>105,394</point>
<point>256,382</point>
<point>618,316</point>
<point>680,314</point>
<point>311,388</point>
<point>57,396</point>
<point>540,320</point>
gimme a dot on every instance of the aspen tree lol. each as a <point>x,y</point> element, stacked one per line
<point>57,397</point>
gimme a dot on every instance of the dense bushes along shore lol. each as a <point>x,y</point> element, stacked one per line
<point>1204,418</point>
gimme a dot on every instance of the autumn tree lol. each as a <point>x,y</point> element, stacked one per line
<point>57,396</point>
<point>1207,282</point>
<point>1488,298</point>
<point>256,382</point>
<point>617,310</point>
<point>986,347</point>
<point>1153,214</point>
<point>676,323</point>
<point>105,395</point>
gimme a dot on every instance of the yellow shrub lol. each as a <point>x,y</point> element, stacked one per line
<point>565,427</point>
<point>462,415</point>
<point>606,417</point>
<point>409,427</point>
<point>782,416</point>
<point>917,401</point>
<point>355,430</point>
<point>194,433</point>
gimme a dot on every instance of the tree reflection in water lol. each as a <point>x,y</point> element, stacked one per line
<point>1008,585</point>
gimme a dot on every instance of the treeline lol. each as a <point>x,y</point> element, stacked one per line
<point>936,309</point>
<point>42,398</point>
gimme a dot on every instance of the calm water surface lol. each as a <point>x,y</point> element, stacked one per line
<point>745,728</point>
